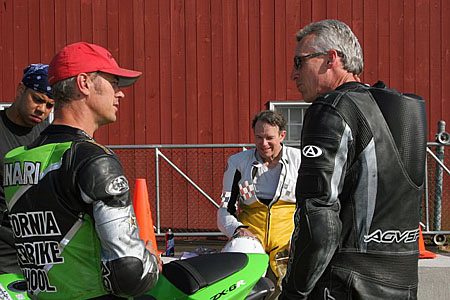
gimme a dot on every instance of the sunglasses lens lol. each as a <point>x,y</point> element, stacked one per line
<point>297,62</point>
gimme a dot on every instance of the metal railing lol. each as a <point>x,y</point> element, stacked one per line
<point>174,183</point>
<point>159,158</point>
<point>436,196</point>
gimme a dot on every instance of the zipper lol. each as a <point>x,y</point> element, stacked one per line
<point>273,202</point>
<point>268,225</point>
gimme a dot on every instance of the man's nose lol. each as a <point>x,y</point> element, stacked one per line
<point>41,107</point>
<point>120,94</point>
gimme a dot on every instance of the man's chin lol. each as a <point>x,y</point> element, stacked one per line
<point>33,123</point>
<point>265,155</point>
<point>307,98</point>
<point>109,120</point>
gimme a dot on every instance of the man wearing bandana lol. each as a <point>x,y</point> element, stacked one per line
<point>20,124</point>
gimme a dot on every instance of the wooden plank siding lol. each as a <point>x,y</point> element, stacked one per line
<point>209,65</point>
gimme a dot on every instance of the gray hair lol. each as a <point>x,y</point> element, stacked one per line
<point>65,91</point>
<point>334,34</point>
<point>270,117</point>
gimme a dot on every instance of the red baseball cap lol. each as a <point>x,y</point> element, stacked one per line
<point>83,57</point>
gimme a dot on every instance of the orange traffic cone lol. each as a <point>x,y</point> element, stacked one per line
<point>143,213</point>
<point>422,252</point>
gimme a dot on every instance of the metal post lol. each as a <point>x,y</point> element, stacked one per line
<point>189,180</point>
<point>427,198</point>
<point>158,220</point>
<point>439,177</point>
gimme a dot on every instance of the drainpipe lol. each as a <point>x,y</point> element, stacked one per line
<point>442,137</point>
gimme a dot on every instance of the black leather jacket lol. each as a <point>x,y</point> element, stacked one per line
<point>359,187</point>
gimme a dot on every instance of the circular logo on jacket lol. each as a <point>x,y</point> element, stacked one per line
<point>117,186</point>
<point>311,151</point>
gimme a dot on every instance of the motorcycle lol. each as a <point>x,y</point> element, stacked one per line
<point>217,276</point>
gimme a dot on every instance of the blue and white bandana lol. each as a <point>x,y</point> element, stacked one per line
<point>35,77</point>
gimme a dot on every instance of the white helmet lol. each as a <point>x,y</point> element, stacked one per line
<point>245,244</point>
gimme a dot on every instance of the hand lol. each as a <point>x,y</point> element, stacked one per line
<point>243,232</point>
<point>153,251</point>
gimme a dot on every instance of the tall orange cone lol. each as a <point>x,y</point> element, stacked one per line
<point>422,252</point>
<point>143,213</point>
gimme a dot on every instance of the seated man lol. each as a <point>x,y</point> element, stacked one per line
<point>258,196</point>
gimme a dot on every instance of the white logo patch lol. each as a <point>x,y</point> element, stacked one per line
<point>392,236</point>
<point>117,186</point>
<point>311,151</point>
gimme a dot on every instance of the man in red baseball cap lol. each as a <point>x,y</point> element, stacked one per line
<point>79,193</point>
<point>85,58</point>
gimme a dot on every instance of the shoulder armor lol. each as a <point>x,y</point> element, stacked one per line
<point>89,148</point>
<point>329,98</point>
<point>242,158</point>
<point>100,175</point>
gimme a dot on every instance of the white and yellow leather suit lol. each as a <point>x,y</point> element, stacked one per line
<point>270,221</point>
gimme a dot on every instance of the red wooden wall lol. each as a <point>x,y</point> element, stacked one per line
<point>209,65</point>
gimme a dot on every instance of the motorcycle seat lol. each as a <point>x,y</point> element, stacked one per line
<point>192,274</point>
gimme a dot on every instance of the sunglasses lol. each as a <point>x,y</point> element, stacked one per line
<point>300,59</point>
<point>112,79</point>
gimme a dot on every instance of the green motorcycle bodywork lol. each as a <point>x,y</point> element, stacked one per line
<point>235,286</point>
<point>13,287</point>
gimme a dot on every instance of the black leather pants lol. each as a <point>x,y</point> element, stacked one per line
<point>339,283</point>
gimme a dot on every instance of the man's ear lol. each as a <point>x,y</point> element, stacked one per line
<point>20,89</point>
<point>332,57</point>
<point>84,82</point>
<point>282,135</point>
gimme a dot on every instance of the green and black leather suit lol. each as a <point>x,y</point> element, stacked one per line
<point>74,226</point>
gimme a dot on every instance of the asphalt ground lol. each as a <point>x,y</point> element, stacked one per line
<point>434,275</point>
